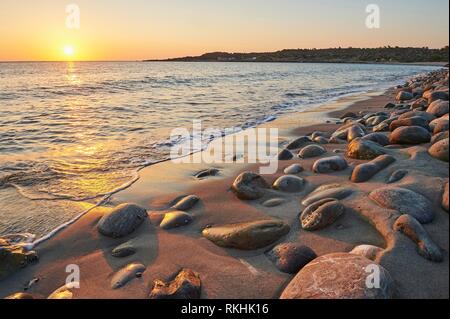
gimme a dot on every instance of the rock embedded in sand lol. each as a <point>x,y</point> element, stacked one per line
<point>247,236</point>
<point>249,186</point>
<point>299,143</point>
<point>285,155</point>
<point>439,137</point>
<point>321,214</point>
<point>175,219</point>
<point>426,116</point>
<point>321,140</point>
<point>354,132</point>
<point>13,258</point>
<point>378,138</point>
<point>126,274</point>
<point>342,133</point>
<point>122,220</point>
<point>367,251</point>
<point>436,122</point>
<point>207,173</point>
<point>124,250</point>
<point>328,191</point>
<point>411,121</point>
<point>440,150</point>
<point>445,198</point>
<point>409,226</point>
<point>186,203</point>
<point>411,135</point>
<point>339,276</point>
<point>376,120</point>
<point>364,150</point>
<point>397,176</point>
<point>186,285</point>
<point>291,257</point>
<point>289,184</point>
<point>441,126</point>
<point>20,296</point>
<point>364,172</point>
<point>274,202</point>
<point>404,96</point>
<point>419,104</point>
<point>437,95</point>
<point>317,134</point>
<point>293,169</point>
<point>438,108</point>
<point>65,292</point>
<point>311,151</point>
<point>404,201</point>
<point>330,164</point>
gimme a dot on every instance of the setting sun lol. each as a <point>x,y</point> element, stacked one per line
<point>69,51</point>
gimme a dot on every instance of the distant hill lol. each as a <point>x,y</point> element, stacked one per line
<point>335,55</point>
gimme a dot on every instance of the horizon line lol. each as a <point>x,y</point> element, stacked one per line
<point>219,51</point>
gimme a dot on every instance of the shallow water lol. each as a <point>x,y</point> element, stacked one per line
<point>76,131</point>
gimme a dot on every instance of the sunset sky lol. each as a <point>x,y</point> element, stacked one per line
<point>143,29</point>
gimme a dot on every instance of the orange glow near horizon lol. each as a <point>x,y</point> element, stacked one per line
<point>137,30</point>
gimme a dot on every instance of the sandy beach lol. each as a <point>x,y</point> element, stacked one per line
<point>402,246</point>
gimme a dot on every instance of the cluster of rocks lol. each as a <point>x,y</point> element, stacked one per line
<point>419,118</point>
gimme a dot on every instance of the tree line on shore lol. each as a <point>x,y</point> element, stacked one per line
<point>386,54</point>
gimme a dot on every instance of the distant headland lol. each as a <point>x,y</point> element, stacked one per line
<point>333,55</point>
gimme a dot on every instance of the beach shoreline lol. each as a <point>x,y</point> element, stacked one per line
<point>233,273</point>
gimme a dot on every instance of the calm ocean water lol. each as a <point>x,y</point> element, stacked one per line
<point>75,131</point>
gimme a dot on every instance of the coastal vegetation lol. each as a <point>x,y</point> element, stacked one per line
<point>386,54</point>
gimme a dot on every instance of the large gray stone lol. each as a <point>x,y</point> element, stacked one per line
<point>122,220</point>
<point>364,172</point>
<point>247,236</point>
<point>364,150</point>
<point>411,121</point>
<point>339,276</point>
<point>330,164</point>
<point>404,96</point>
<point>354,132</point>
<point>437,95</point>
<point>285,155</point>
<point>291,257</point>
<point>289,184</point>
<point>249,186</point>
<point>321,214</point>
<point>404,201</point>
<point>311,151</point>
<point>299,143</point>
<point>378,138</point>
<point>410,135</point>
<point>328,191</point>
<point>438,108</point>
